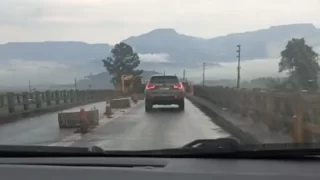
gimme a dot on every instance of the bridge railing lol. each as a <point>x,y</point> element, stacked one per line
<point>12,103</point>
<point>294,113</point>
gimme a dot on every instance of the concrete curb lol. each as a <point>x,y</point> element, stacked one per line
<point>208,108</point>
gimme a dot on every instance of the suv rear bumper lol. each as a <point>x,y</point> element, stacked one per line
<point>164,100</point>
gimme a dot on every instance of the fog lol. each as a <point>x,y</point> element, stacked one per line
<point>154,57</point>
<point>250,69</point>
<point>19,72</point>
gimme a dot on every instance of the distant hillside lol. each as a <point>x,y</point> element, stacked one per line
<point>160,50</point>
<point>179,48</point>
<point>255,44</point>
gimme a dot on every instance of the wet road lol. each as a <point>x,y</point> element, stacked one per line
<point>163,128</point>
<point>132,129</point>
<point>40,130</point>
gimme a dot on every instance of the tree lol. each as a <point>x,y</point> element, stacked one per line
<point>123,61</point>
<point>301,63</point>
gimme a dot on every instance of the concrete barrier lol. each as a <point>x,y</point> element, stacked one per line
<point>17,106</point>
<point>140,96</point>
<point>244,130</point>
<point>93,117</point>
<point>72,119</point>
<point>137,97</point>
<point>120,103</point>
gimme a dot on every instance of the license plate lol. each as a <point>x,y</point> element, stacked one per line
<point>164,88</point>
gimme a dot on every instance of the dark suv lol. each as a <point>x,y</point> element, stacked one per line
<point>164,90</point>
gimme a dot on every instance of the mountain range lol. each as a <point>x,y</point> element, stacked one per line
<point>178,47</point>
<point>160,49</point>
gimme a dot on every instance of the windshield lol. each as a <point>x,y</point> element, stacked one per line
<point>158,74</point>
<point>164,79</point>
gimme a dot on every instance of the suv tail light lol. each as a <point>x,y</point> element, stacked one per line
<point>150,86</point>
<point>178,86</point>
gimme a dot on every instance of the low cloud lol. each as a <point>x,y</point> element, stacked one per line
<point>19,72</point>
<point>155,57</point>
<point>250,69</point>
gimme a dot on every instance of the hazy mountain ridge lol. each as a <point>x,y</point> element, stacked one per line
<point>187,49</point>
<point>59,62</point>
<point>179,47</point>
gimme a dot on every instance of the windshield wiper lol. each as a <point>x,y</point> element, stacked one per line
<point>226,148</point>
<point>204,148</point>
<point>214,144</point>
<point>197,147</point>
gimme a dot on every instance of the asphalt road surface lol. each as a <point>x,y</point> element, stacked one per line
<point>163,128</point>
<point>132,129</point>
<point>40,130</point>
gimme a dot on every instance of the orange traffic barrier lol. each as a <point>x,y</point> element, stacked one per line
<point>83,115</point>
<point>84,124</point>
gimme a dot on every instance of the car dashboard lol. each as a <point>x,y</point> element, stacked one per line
<point>81,168</point>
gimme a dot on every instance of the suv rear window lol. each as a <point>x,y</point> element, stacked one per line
<point>164,79</point>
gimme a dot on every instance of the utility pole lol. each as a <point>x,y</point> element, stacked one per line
<point>184,74</point>
<point>75,84</point>
<point>203,73</point>
<point>238,56</point>
<point>164,72</point>
<point>30,90</point>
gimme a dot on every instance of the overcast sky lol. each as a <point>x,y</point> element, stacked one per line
<point>113,20</point>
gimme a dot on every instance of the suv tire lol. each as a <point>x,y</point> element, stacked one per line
<point>148,106</point>
<point>181,105</point>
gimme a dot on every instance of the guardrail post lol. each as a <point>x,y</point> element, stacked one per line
<point>85,95</point>
<point>48,98</point>
<point>270,109</point>
<point>25,99</point>
<point>18,99</point>
<point>82,95</point>
<point>43,97</point>
<point>72,95</point>
<point>38,100</point>
<point>2,101</point>
<point>88,92</point>
<point>65,96</point>
<point>30,95</point>
<point>298,120</point>
<point>57,97</point>
<point>11,105</point>
<point>92,95</point>
<point>77,95</point>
